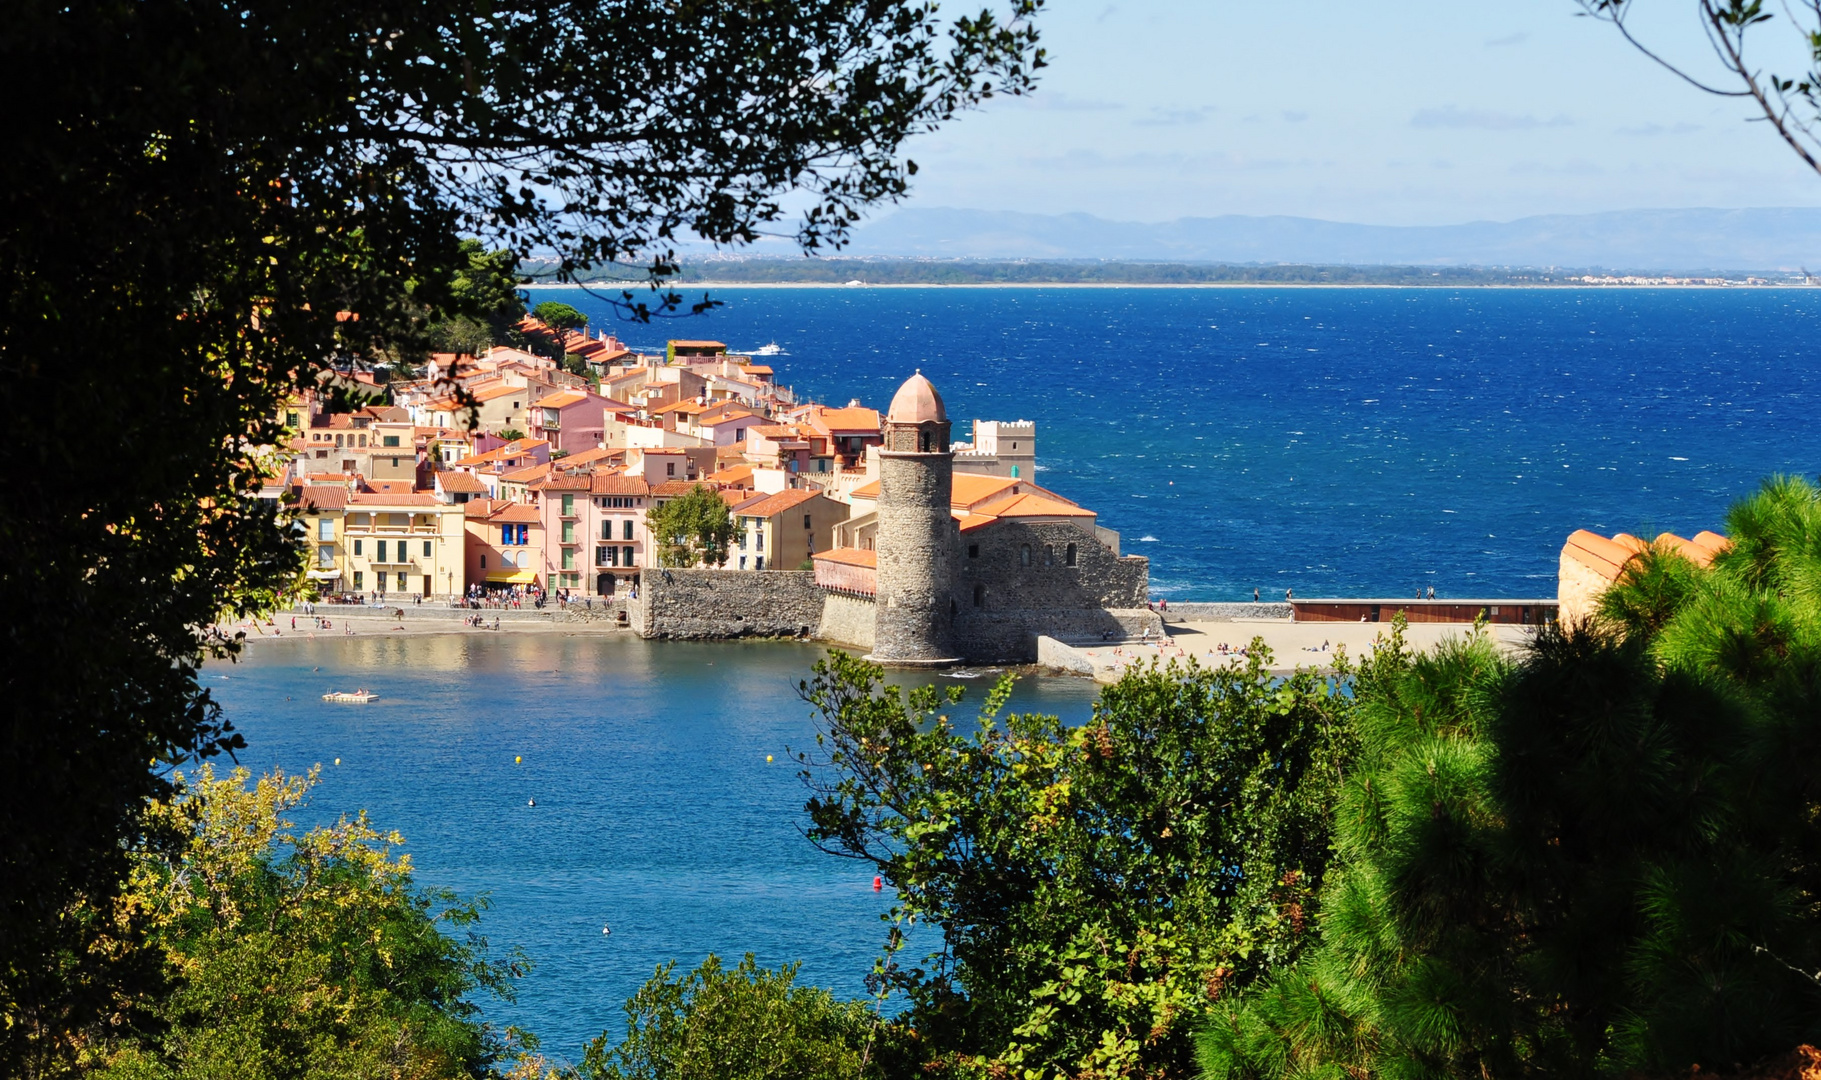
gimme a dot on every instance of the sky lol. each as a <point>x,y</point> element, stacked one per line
<point>1394,112</point>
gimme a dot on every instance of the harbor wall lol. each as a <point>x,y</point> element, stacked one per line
<point>847,620</point>
<point>1221,612</point>
<point>698,604</point>
<point>1011,636</point>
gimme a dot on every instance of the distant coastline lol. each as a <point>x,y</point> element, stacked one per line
<point>840,273</point>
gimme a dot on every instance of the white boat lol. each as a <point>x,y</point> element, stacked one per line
<point>773,349</point>
<point>357,697</point>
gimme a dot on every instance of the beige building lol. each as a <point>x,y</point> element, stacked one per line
<point>394,544</point>
<point>782,531</point>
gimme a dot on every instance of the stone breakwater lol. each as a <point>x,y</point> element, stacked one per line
<point>703,604</point>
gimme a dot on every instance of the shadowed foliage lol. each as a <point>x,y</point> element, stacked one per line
<point>1600,859</point>
<point>206,205</point>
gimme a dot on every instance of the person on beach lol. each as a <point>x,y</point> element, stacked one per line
<point>1255,596</point>
<point>1288,596</point>
<point>1431,592</point>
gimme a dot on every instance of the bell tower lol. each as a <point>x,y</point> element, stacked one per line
<point>914,615</point>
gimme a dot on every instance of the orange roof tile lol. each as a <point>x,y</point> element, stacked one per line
<point>609,484</point>
<point>771,505</point>
<point>1029,505</point>
<point>561,399</point>
<point>850,419</point>
<point>849,556</point>
<point>518,513</point>
<point>365,498</point>
<point>460,483</point>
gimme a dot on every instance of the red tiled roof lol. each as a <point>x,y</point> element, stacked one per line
<point>518,513</point>
<point>460,482</point>
<point>609,484</point>
<point>849,556</point>
<point>770,505</point>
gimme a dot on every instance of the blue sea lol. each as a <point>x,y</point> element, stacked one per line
<point>1337,441</point>
<point>1341,442</point>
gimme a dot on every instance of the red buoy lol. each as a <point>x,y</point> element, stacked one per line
<point>878,883</point>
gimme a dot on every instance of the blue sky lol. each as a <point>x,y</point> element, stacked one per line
<point>1411,112</point>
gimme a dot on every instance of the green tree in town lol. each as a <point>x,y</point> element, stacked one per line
<point>745,1024</point>
<point>300,955</point>
<point>559,316</point>
<point>1599,860</point>
<point>486,291</point>
<point>231,198</point>
<point>511,434</point>
<point>693,529</point>
<point>1096,888</point>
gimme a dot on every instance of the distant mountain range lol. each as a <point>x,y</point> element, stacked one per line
<point>1632,240</point>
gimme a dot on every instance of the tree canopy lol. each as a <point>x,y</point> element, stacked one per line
<point>693,529</point>
<point>1096,887</point>
<point>558,315</point>
<point>208,204</point>
<point>1598,860</point>
<point>299,955</point>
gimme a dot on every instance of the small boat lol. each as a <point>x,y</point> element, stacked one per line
<point>773,349</point>
<point>358,697</point>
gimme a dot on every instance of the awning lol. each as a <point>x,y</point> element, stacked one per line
<point>515,577</point>
<point>324,575</point>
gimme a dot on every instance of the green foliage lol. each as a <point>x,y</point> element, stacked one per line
<point>300,956</point>
<point>1604,859</point>
<point>1096,887</point>
<point>746,1024</point>
<point>559,316</point>
<point>694,529</point>
<point>512,434</point>
<point>484,294</point>
<point>209,189</point>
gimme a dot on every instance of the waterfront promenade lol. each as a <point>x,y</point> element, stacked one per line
<point>1292,644</point>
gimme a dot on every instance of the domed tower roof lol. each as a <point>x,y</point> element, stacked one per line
<point>916,402</point>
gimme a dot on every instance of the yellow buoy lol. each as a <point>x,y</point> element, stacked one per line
<point>518,759</point>
<point>767,757</point>
<point>338,761</point>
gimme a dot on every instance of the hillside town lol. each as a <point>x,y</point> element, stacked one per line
<point>538,486</point>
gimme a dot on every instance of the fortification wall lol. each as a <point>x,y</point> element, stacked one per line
<point>1016,580</point>
<point>697,604</point>
<point>847,620</point>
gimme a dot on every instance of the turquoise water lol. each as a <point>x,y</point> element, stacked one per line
<point>1344,442</point>
<point>656,813</point>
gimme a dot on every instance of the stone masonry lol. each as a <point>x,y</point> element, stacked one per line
<point>695,604</point>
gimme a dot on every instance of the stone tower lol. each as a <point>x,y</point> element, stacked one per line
<point>915,613</point>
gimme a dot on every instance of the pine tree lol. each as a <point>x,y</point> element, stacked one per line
<point>1599,859</point>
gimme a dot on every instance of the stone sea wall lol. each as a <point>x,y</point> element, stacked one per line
<point>847,620</point>
<point>696,604</point>
<point>1195,612</point>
